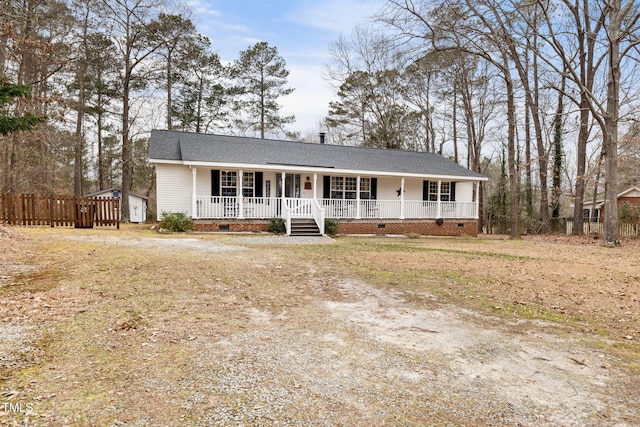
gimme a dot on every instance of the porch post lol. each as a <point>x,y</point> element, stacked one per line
<point>477,199</point>
<point>402,198</point>
<point>358,197</point>
<point>439,212</point>
<point>194,200</point>
<point>282,197</point>
<point>315,186</point>
<point>240,198</point>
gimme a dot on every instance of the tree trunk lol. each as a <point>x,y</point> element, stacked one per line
<point>611,233</point>
<point>127,175</point>
<point>511,152</point>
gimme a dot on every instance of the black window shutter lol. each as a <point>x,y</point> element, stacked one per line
<point>257,191</point>
<point>425,190</point>
<point>374,188</point>
<point>326,187</point>
<point>215,182</point>
<point>453,192</point>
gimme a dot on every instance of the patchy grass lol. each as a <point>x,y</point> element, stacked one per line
<point>116,326</point>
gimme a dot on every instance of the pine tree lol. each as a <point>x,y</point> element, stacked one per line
<point>262,78</point>
<point>9,121</point>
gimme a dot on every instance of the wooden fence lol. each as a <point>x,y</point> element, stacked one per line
<point>80,212</point>
<point>626,230</point>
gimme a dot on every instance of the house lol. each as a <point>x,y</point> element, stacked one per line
<point>137,202</point>
<point>630,195</point>
<point>230,183</point>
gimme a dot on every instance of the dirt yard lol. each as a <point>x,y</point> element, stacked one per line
<point>132,328</point>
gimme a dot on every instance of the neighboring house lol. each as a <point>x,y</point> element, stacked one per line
<point>137,203</point>
<point>630,195</point>
<point>229,183</point>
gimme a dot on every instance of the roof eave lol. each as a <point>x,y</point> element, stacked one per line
<point>325,170</point>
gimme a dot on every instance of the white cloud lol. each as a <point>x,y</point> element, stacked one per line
<point>338,16</point>
<point>202,8</point>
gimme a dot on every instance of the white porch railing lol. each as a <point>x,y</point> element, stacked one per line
<point>219,207</point>
<point>300,208</point>
<point>318,213</point>
<point>388,209</point>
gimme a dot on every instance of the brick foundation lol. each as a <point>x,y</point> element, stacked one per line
<point>449,227</point>
<point>429,227</point>
<point>232,226</point>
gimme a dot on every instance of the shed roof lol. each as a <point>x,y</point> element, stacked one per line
<point>189,148</point>
<point>110,190</point>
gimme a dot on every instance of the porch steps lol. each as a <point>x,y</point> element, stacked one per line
<point>304,227</point>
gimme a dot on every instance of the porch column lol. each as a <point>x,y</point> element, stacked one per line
<point>194,200</point>
<point>439,212</point>
<point>315,186</point>
<point>402,198</point>
<point>240,198</point>
<point>282,197</point>
<point>358,197</point>
<point>476,193</point>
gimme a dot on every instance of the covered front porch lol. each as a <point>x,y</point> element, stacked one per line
<point>224,207</point>
<point>317,197</point>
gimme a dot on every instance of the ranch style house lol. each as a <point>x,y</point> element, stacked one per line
<point>231,183</point>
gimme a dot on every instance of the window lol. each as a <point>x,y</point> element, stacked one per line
<point>586,215</point>
<point>337,187</point>
<point>365,188</point>
<point>445,191</point>
<point>433,191</point>
<point>248,184</point>
<point>347,187</point>
<point>350,187</point>
<point>228,183</point>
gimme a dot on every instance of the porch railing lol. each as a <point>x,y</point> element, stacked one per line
<point>230,207</point>
<point>318,213</point>
<point>218,207</point>
<point>388,209</point>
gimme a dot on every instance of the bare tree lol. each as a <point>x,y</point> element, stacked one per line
<point>606,34</point>
<point>130,20</point>
<point>469,27</point>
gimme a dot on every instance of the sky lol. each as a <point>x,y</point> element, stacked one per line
<point>301,30</point>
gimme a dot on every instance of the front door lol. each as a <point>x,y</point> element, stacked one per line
<point>291,186</point>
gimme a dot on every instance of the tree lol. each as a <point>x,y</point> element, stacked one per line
<point>607,39</point>
<point>176,34</point>
<point>203,100</point>
<point>558,126</point>
<point>103,86</point>
<point>261,76</point>
<point>629,158</point>
<point>11,121</point>
<point>475,28</point>
<point>132,19</point>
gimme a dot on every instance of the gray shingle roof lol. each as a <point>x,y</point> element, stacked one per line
<point>198,147</point>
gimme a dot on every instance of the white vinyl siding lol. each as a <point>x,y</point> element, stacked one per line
<point>173,187</point>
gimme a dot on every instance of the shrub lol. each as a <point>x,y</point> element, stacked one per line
<point>175,222</point>
<point>277,226</point>
<point>628,214</point>
<point>331,226</point>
